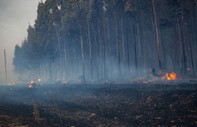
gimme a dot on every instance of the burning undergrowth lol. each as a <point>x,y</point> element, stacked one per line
<point>164,78</point>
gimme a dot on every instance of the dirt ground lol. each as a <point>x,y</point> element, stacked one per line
<point>103,105</point>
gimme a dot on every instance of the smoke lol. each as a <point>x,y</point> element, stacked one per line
<point>72,71</point>
<point>15,16</point>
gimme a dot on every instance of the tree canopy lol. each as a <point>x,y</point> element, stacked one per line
<point>106,39</point>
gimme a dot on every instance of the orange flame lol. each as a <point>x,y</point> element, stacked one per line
<point>171,76</point>
<point>11,83</point>
<point>39,80</point>
<point>32,82</point>
<point>30,86</point>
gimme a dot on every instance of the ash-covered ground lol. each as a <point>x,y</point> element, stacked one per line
<point>85,105</point>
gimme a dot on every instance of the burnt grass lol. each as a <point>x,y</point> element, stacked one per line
<point>55,105</point>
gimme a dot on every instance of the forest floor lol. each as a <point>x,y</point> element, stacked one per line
<point>99,105</point>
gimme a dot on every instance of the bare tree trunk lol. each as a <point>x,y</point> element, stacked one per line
<point>88,8</point>
<point>143,44</point>
<point>123,42</point>
<point>59,49</point>
<point>65,62</point>
<point>100,50</point>
<point>6,74</point>
<point>90,49</point>
<point>177,49</point>
<point>96,51</point>
<point>58,39</point>
<point>128,51</point>
<point>191,51</point>
<point>117,45</point>
<point>183,45</point>
<point>82,55</point>
<point>135,52</point>
<point>104,52</point>
<point>180,45</point>
<point>157,33</point>
<point>50,70</point>
<point>109,45</point>
<point>139,45</point>
<point>117,40</point>
<point>45,71</point>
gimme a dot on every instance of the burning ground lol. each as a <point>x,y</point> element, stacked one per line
<point>99,105</point>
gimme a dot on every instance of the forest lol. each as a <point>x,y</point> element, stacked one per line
<point>109,40</point>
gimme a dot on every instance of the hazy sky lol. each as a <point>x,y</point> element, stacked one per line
<point>15,15</point>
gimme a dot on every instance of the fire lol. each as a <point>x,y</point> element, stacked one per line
<point>30,86</point>
<point>39,80</point>
<point>145,82</point>
<point>161,76</point>
<point>11,83</point>
<point>32,82</point>
<point>170,76</point>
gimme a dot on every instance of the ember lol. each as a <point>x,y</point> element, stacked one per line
<point>39,80</point>
<point>32,82</point>
<point>30,86</point>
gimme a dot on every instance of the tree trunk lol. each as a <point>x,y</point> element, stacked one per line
<point>183,45</point>
<point>117,41</point>
<point>117,45</point>
<point>96,51</point>
<point>135,52</point>
<point>128,49</point>
<point>5,62</point>
<point>123,42</point>
<point>65,62</point>
<point>90,49</point>
<point>157,34</point>
<point>82,55</point>
<point>138,47</point>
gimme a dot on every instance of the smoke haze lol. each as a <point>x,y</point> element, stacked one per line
<point>15,16</point>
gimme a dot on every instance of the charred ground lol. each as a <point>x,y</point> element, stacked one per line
<point>103,105</point>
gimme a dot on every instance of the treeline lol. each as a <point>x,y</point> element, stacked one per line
<point>109,39</point>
